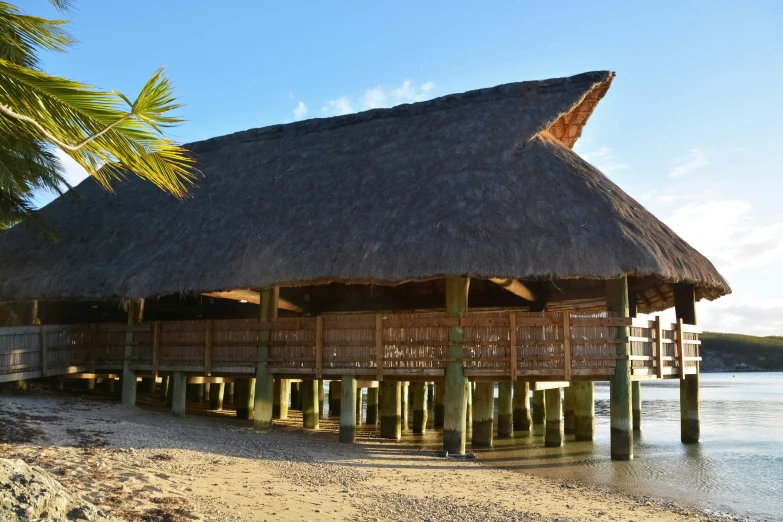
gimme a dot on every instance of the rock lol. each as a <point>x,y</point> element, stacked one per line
<point>30,493</point>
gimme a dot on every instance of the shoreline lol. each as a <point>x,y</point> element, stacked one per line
<point>142,463</point>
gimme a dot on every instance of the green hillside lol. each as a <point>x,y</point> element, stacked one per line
<point>733,352</point>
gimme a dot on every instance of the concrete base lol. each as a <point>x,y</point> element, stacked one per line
<point>347,409</point>
<point>310,404</point>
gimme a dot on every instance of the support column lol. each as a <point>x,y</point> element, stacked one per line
<point>108,385</point>
<point>170,392</point>
<point>310,406</point>
<point>391,415</point>
<point>569,409</point>
<point>135,316</point>
<point>244,400</point>
<point>505,411</point>
<point>216,392</point>
<point>295,396</point>
<point>585,411</point>
<point>521,404</point>
<point>372,406</point>
<point>440,395</point>
<point>264,396</point>
<point>483,415</point>
<point>636,396</point>
<point>199,389</point>
<point>335,396</point>
<point>207,388</point>
<point>430,395</point>
<point>690,415</point>
<point>178,394</point>
<point>554,424</point>
<point>404,405</point>
<point>419,406</point>
<point>455,403</point>
<point>347,408</point>
<point>320,385</point>
<point>621,418</point>
<point>90,384</point>
<point>359,405</point>
<point>230,392</point>
<point>165,382</point>
<point>281,391</point>
<point>539,407</point>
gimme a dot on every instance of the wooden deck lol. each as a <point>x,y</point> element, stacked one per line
<point>545,346</point>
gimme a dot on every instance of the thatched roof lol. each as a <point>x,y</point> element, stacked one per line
<point>482,184</point>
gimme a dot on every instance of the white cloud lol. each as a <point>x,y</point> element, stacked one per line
<point>603,159</point>
<point>301,110</point>
<point>695,160</point>
<point>338,107</point>
<point>379,97</point>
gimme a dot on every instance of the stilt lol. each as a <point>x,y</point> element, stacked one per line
<point>484,414</point>
<point>455,403</point>
<point>440,395</point>
<point>522,419</point>
<point>569,409</point>
<point>636,396</point>
<point>310,405</point>
<point>359,405</point>
<point>391,415</point>
<point>244,397</point>
<point>216,392</point>
<point>170,392</point>
<point>621,418</point>
<point>230,393</point>
<point>690,415</point>
<point>207,388</point>
<point>419,406</point>
<point>505,411</point>
<point>199,389</point>
<point>178,394</point>
<point>135,316</point>
<point>539,407</point>
<point>585,411</point>
<point>372,406</point>
<point>347,408</point>
<point>165,381</point>
<point>468,405</point>
<point>554,424</point>
<point>264,396</point>
<point>335,396</point>
<point>280,405</point>
<point>294,396</point>
<point>430,395</point>
<point>90,384</point>
<point>404,405</point>
<point>321,408</point>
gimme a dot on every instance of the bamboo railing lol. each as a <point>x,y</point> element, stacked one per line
<point>541,346</point>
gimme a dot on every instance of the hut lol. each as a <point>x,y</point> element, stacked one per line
<point>452,241</point>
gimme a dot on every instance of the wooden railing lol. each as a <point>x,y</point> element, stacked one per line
<point>497,345</point>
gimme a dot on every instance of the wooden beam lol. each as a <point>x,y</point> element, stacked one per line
<point>516,288</point>
<point>251,296</point>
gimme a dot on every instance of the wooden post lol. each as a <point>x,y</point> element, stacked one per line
<point>208,347</point>
<point>178,400</point>
<point>391,414</point>
<point>539,407</point>
<point>404,404</point>
<point>521,405</point>
<point>319,347</point>
<point>584,428</point>
<point>347,404</point>
<point>135,316</point>
<point>567,345</point>
<point>419,406</point>
<point>281,391</point>
<point>372,406</point>
<point>512,341</point>
<point>379,347</point>
<point>690,415</point>
<point>483,421</point>
<point>320,386</point>
<point>359,405</point>
<point>310,406</point>
<point>505,410</point>
<point>264,392</point>
<point>680,348</point>
<point>44,352</point>
<point>620,383</point>
<point>216,391</point>
<point>454,425</point>
<point>553,437</point>
<point>658,347</point>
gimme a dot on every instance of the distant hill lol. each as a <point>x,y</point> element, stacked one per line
<point>722,352</point>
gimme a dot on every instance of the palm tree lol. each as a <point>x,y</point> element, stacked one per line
<point>103,131</point>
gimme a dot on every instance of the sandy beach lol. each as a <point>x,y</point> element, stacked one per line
<point>144,464</point>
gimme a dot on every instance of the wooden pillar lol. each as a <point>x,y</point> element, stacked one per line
<point>216,392</point>
<point>440,395</point>
<point>505,410</point>
<point>391,414</point>
<point>636,397</point>
<point>569,409</point>
<point>264,389</point>
<point>135,316</point>
<point>554,424</point>
<point>178,394</point>
<point>621,418</point>
<point>690,416</point>
<point>522,418</point>
<point>483,415</point>
<point>585,411</point>
<point>310,406</point>
<point>372,406</point>
<point>539,407</point>
<point>294,396</point>
<point>347,408</point>
<point>419,406</point>
<point>455,403</point>
<point>404,405</point>
<point>280,405</point>
<point>359,405</point>
<point>321,409</point>
<point>244,397</point>
<point>335,396</point>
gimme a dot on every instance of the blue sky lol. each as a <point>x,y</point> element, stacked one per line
<point>690,128</point>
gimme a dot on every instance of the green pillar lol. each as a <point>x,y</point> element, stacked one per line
<point>335,396</point>
<point>359,405</point>
<point>505,411</point>
<point>372,406</point>
<point>620,384</point>
<point>347,408</point>
<point>391,414</point>
<point>585,411</point>
<point>310,405</point>
<point>244,397</point>
<point>455,402</point>
<point>522,419</point>
<point>135,316</point>
<point>539,407</point>
<point>569,409</point>
<point>178,394</point>
<point>636,396</point>
<point>281,391</point>
<point>690,415</point>
<point>295,396</point>
<point>440,395</point>
<point>404,405</point>
<point>264,388</point>
<point>483,414</point>
<point>216,392</point>
<point>419,389</point>
<point>554,425</point>
<point>321,408</point>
